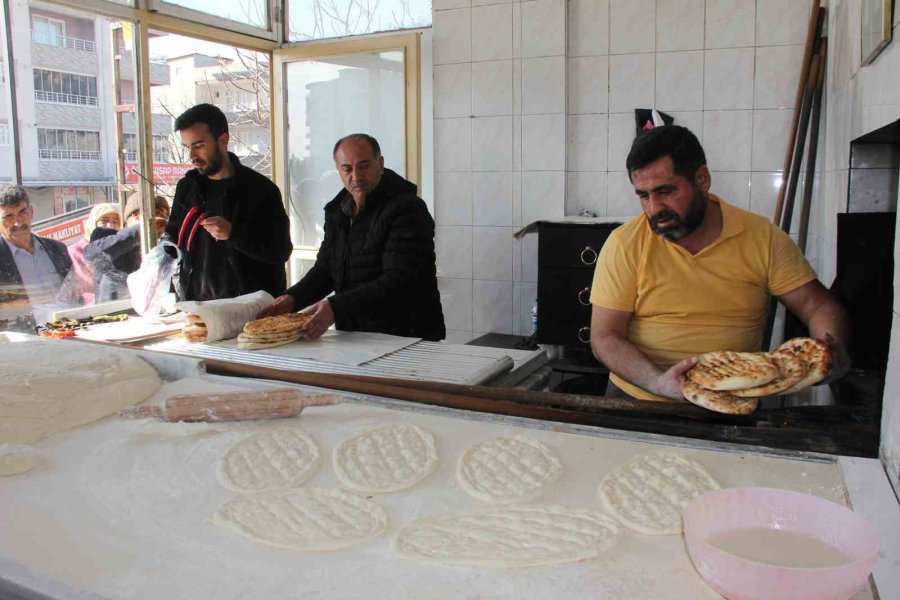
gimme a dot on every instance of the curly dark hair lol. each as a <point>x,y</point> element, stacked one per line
<point>12,195</point>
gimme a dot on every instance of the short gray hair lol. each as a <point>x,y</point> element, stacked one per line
<point>12,195</point>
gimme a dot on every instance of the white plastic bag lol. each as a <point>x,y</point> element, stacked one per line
<point>149,284</point>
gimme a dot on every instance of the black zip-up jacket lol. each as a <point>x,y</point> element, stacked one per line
<point>260,241</point>
<point>380,265</point>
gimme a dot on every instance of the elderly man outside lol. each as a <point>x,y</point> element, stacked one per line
<point>39,267</point>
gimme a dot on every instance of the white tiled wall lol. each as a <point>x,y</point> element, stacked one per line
<point>533,119</point>
<point>860,100</point>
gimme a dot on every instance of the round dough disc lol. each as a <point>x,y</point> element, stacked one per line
<point>272,460</point>
<point>507,469</point>
<point>386,459</point>
<point>649,493</point>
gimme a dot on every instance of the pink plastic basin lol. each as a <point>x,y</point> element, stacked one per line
<point>737,578</point>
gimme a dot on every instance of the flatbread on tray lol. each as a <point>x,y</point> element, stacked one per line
<point>721,402</point>
<point>726,370</point>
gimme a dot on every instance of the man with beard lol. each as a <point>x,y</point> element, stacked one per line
<point>693,274</point>
<point>227,219</point>
<point>377,256</point>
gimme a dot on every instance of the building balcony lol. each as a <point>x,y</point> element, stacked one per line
<point>63,41</point>
<point>60,98</point>
<point>83,155</point>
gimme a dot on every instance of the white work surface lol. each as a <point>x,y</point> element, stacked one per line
<point>120,511</point>
<point>426,361</point>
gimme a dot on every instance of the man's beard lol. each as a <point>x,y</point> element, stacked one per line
<point>213,166</point>
<point>684,226</point>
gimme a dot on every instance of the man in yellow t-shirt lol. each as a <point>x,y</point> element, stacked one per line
<point>693,274</point>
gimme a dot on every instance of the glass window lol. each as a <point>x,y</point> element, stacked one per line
<point>4,134</point>
<point>328,98</point>
<point>249,12</point>
<point>234,79</point>
<point>68,144</point>
<point>64,88</point>
<point>317,19</point>
<point>46,30</point>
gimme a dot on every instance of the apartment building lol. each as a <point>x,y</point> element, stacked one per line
<point>66,107</point>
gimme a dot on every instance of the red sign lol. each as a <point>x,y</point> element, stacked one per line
<point>67,232</point>
<point>162,172</point>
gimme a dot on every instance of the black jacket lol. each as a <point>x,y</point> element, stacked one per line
<point>59,256</point>
<point>381,265</point>
<point>113,255</point>
<point>260,241</point>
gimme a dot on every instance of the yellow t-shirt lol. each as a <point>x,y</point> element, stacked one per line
<point>684,305</point>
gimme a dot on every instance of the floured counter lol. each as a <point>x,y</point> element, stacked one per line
<point>120,510</point>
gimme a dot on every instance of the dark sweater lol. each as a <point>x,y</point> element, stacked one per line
<point>254,256</point>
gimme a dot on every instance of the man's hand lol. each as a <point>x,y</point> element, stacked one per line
<point>280,306</point>
<point>218,227</point>
<point>323,318</point>
<point>840,360</point>
<point>669,383</point>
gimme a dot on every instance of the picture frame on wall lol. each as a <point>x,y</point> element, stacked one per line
<point>876,26</point>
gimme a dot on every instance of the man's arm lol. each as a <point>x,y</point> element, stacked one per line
<point>314,286</point>
<point>112,243</point>
<point>609,342</point>
<point>826,320</point>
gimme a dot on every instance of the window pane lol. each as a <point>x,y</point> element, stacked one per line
<point>67,143</point>
<point>328,99</point>
<point>7,150</point>
<point>208,72</point>
<point>315,20</point>
<point>249,12</point>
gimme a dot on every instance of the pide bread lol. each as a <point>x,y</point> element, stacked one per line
<point>721,402</point>
<point>288,323</point>
<point>726,370</point>
<point>816,355</point>
<point>270,332</point>
<point>194,333</point>
<point>731,382</point>
<point>791,369</point>
<point>251,344</point>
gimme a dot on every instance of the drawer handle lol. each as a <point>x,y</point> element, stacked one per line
<point>588,256</point>
<point>581,297</point>
<point>584,332</point>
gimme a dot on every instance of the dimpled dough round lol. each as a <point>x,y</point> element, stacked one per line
<point>386,459</point>
<point>648,493</point>
<point>54,385</point>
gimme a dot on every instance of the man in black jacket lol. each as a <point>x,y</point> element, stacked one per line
<point>227,219</point>
<point>377,256</point>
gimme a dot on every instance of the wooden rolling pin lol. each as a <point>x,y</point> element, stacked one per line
<point>273,403</point>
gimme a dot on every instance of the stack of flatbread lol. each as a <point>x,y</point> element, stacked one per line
<point>732,382</point>
<point>195,330</point>
<point>269,332</point>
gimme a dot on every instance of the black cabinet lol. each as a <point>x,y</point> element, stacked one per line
<point>567,255</point>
